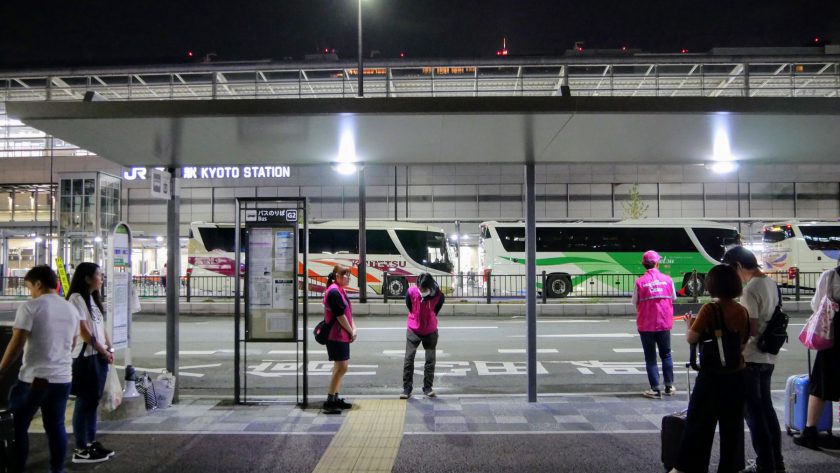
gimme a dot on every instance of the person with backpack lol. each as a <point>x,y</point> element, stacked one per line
<point>760,297</point>
<point>424,302</point>
<point>653,297</point>
<point>90,368</point>
<point>45,331</point>
<point>824,384</point>
<point>338,314</point>
<point>721,329</point>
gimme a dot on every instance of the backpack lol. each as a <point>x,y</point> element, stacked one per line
<point>720,351</point>
<point>322,331</point>
<point>775,332</point>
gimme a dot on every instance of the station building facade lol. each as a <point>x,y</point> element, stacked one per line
<point>454,197</point>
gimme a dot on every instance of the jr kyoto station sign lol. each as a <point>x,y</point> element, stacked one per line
<point>218,172</point>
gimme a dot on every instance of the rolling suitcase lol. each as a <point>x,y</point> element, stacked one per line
<point>796,405</point>
<point>8,458</point>
<point>673,425</point>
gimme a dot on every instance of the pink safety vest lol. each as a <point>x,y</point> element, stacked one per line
<point>338,334</point>
<point>655,306</point>
<point>422,319</point>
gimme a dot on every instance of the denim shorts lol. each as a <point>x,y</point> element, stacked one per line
<point>338,351</point>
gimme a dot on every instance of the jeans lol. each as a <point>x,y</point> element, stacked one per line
<point>662,339</point>
<point>716,399</point>
<point>429,345</point>
<point>84,414</point>
<point>24,402</point>
<point>761,417</point>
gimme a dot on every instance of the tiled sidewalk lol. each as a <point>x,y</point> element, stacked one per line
<point>560,414</point>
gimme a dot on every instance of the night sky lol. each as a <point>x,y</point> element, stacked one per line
<point>113,32</point>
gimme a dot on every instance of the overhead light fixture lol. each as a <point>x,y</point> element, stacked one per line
<point>38,239</point>
<point>722,167</point>
<point>98,239</point>
<point>347,154</point>
<point>454,236</point>
<point>158,238</point>
<point>345,168</point>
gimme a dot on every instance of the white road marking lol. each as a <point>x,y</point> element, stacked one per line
<point>628,350</point>
<point>402,352</point>
<point>190,352</point>
<point>563,321</point>
<point>292,352</point>
<point>583,335</point>
<point>441,327</point>
<point>519,351</point>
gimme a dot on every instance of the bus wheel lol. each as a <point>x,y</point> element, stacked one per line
<point>396,287</point>
<point>692,287</point>
<point>558,285</point>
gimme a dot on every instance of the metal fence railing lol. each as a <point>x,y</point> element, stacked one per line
<point>485,287</point>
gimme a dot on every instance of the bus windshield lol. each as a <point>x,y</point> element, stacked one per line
<point>426,248</point>
<point>821,238</point>
<point>716,240</point>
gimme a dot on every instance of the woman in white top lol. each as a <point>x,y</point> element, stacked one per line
<point>760,298</point>
<point>824,384</point>
<point>89,374</point>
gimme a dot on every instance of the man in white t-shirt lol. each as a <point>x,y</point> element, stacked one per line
<point>760,298</point>
<point>45,330</point>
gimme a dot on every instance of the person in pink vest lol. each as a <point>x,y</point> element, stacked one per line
<point>424,302</point>
<point>653,297</point>
<point>338,312</point>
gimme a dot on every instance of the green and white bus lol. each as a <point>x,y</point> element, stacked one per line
<point>581,257</point>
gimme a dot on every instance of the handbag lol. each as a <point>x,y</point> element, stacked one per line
<point>322,331</point>
<point>86,374</point>
<point>146,388</point>
<point>817,334</point>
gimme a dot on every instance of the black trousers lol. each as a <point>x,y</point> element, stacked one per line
<point>412,341</point>
<point>718,398</point>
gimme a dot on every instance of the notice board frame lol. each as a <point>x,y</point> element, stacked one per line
<point>300,339</point>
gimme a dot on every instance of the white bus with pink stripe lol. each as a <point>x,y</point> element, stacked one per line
<point>403,250</point>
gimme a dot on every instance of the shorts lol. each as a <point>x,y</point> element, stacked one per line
<point>338,351</point>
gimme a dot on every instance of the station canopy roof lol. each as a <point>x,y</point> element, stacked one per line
<point>494,130</point>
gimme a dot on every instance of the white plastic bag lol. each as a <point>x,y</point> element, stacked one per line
<point>112,395</point>
<point>164,389</point>
<point>135,301</point>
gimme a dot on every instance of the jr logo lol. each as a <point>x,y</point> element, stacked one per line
<point>134,174</point>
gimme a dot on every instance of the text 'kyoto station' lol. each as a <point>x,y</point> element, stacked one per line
<point>374,236</point>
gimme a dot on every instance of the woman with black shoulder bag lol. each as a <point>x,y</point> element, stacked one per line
<point>90,364</point>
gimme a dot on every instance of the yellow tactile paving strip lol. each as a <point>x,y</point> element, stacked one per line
<point>368,440</point>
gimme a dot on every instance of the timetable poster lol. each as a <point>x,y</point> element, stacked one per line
<point>272,259</point>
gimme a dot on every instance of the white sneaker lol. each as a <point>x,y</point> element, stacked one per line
<point>652,394</point>
<point>670,390</point>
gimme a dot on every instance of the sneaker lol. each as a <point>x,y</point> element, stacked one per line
<point>808,438</point>
<point>340,403</point>
<point>652,394</point>
<point>330,408</point>
<point>88,455</point>
<point>429,392</point>
<point>670,390</point>
<point>101,449</point>
<point>829,443</point>
<point>752,467</point>
<point>405,394</point>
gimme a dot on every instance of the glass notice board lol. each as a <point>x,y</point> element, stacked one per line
<point>271,289</point>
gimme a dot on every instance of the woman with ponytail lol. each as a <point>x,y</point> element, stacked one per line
<point>339,313</point>
<point>89,376</point>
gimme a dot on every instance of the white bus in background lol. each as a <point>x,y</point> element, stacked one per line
<point>583,257</point>
<point>402,249</point>
<point>809,246</point>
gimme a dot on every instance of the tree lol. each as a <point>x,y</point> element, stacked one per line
<point>635,207</point>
